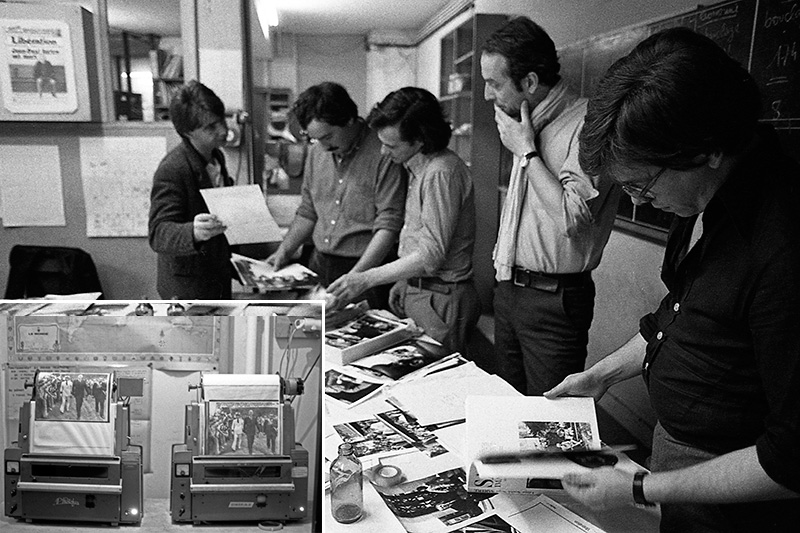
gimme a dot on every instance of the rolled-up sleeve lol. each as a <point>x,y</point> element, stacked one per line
<point>390,196</point>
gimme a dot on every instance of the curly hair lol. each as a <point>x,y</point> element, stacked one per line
<point>195,106</point>
<point>676,97</point>
<point>417,115</point>
<point>527,48</point>
<point>327,102</point>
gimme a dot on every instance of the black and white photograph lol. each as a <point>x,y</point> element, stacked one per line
<point>372,437</point>
<point>491,524</point>
<point>435,503</point>
<point>258,275</point>
<point>399,361</point>
<point>243,428</point>
<point>407,426</point>
<point>554,436</point>
<point>72,396</point>
<point>348,389</point>
<point>364,327</point>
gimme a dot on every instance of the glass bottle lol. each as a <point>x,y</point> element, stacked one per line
<point>347,497</point>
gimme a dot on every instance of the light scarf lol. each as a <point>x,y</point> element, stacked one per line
<point>505,250</point>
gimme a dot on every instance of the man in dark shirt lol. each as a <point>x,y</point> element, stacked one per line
<point>44,73</point>
<point>675,123</point>
<point>352,195</point>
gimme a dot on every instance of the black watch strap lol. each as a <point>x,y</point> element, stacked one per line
<point>527,156</point>
<point>638,490</point>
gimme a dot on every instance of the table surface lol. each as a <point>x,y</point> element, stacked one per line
<point>378,517</point>
<point>156,518</point>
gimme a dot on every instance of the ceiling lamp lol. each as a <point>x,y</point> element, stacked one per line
<point>267,15</point>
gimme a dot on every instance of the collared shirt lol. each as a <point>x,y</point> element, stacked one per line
<point>571,239</point>
<point>723,356</point>
<point>352,197</point>
<point>440,215</point>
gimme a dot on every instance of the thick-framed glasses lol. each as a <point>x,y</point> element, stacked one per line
<point>643,193</point>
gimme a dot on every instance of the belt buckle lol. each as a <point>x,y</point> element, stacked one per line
<point>516,277</point>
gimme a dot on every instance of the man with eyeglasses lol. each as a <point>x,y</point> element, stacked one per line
<point>353,197</point>
<point>555,220</point>
<point>193,253</point>
<point>676,123</point>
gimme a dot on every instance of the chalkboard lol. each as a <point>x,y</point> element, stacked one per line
<point>775,63</point>
<point>763,35</point>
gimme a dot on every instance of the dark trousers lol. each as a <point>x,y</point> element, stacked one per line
<point>331,267</point>
<point>541,336</point>
<point>770,516</point>
<point>448,314</point>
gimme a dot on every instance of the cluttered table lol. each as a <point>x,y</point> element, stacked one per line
<point>156,518</point>
<point>420,426</point>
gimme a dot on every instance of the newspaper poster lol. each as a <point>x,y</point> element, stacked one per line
<point>243,428</point>
<point>39,76</point>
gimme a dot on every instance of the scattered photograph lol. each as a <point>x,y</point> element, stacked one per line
<point>407,426</point>
<point>72,396</point>
<point>436,503</point>
<point>399,361</point>
<point>243,428</point>
<point>372,437</point>
<point>364,327</point>
<point>492,524</point>
<point>259,275</point>
<point>554,436</point>
<point>349,389</point>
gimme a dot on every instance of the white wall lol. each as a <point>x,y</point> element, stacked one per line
<point>338,58</point>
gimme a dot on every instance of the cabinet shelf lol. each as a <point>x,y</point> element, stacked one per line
<point>474,137</point>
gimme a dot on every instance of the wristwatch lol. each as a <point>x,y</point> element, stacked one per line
<point>526,158</point>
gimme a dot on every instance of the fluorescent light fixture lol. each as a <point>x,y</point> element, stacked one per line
<point>267,15</point>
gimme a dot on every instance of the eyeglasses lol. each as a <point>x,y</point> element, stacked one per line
<point>643,193</point>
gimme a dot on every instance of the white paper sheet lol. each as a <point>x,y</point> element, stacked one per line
<point>117,174</point>
<point>529,425</point>
<point>31,192</point>
<point>243,210</point>
<point>440,397</point>
<point>241,387</point>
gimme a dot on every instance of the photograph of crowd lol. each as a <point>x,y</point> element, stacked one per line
<point>435,503</point>
<point>72,396</point>
<point>360,329</point>
<point>372,437</point>
<point>555,436</point>
<point>348,389</point>
<point>243,428</point>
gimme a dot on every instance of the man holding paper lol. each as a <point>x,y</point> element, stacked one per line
<point>352,196</point>
<point>193,253</point>
<point>676,124</point>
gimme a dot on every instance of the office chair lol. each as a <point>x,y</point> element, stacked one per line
<point>40,270</point>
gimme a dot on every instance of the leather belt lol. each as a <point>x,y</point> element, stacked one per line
<point>547,282</point>
<point>434,284</point>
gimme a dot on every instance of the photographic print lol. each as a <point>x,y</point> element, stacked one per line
<point>243,428</point>
<point>348,389</point>
<point>408,427</point>
<point>537,436</point>
<point>435,503</point>
<point>72,396</point>
<point>372,437</point>
<point>361,329</point>
<point>399,361</point>
<point>492,524</point>
<point>257,274</point>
